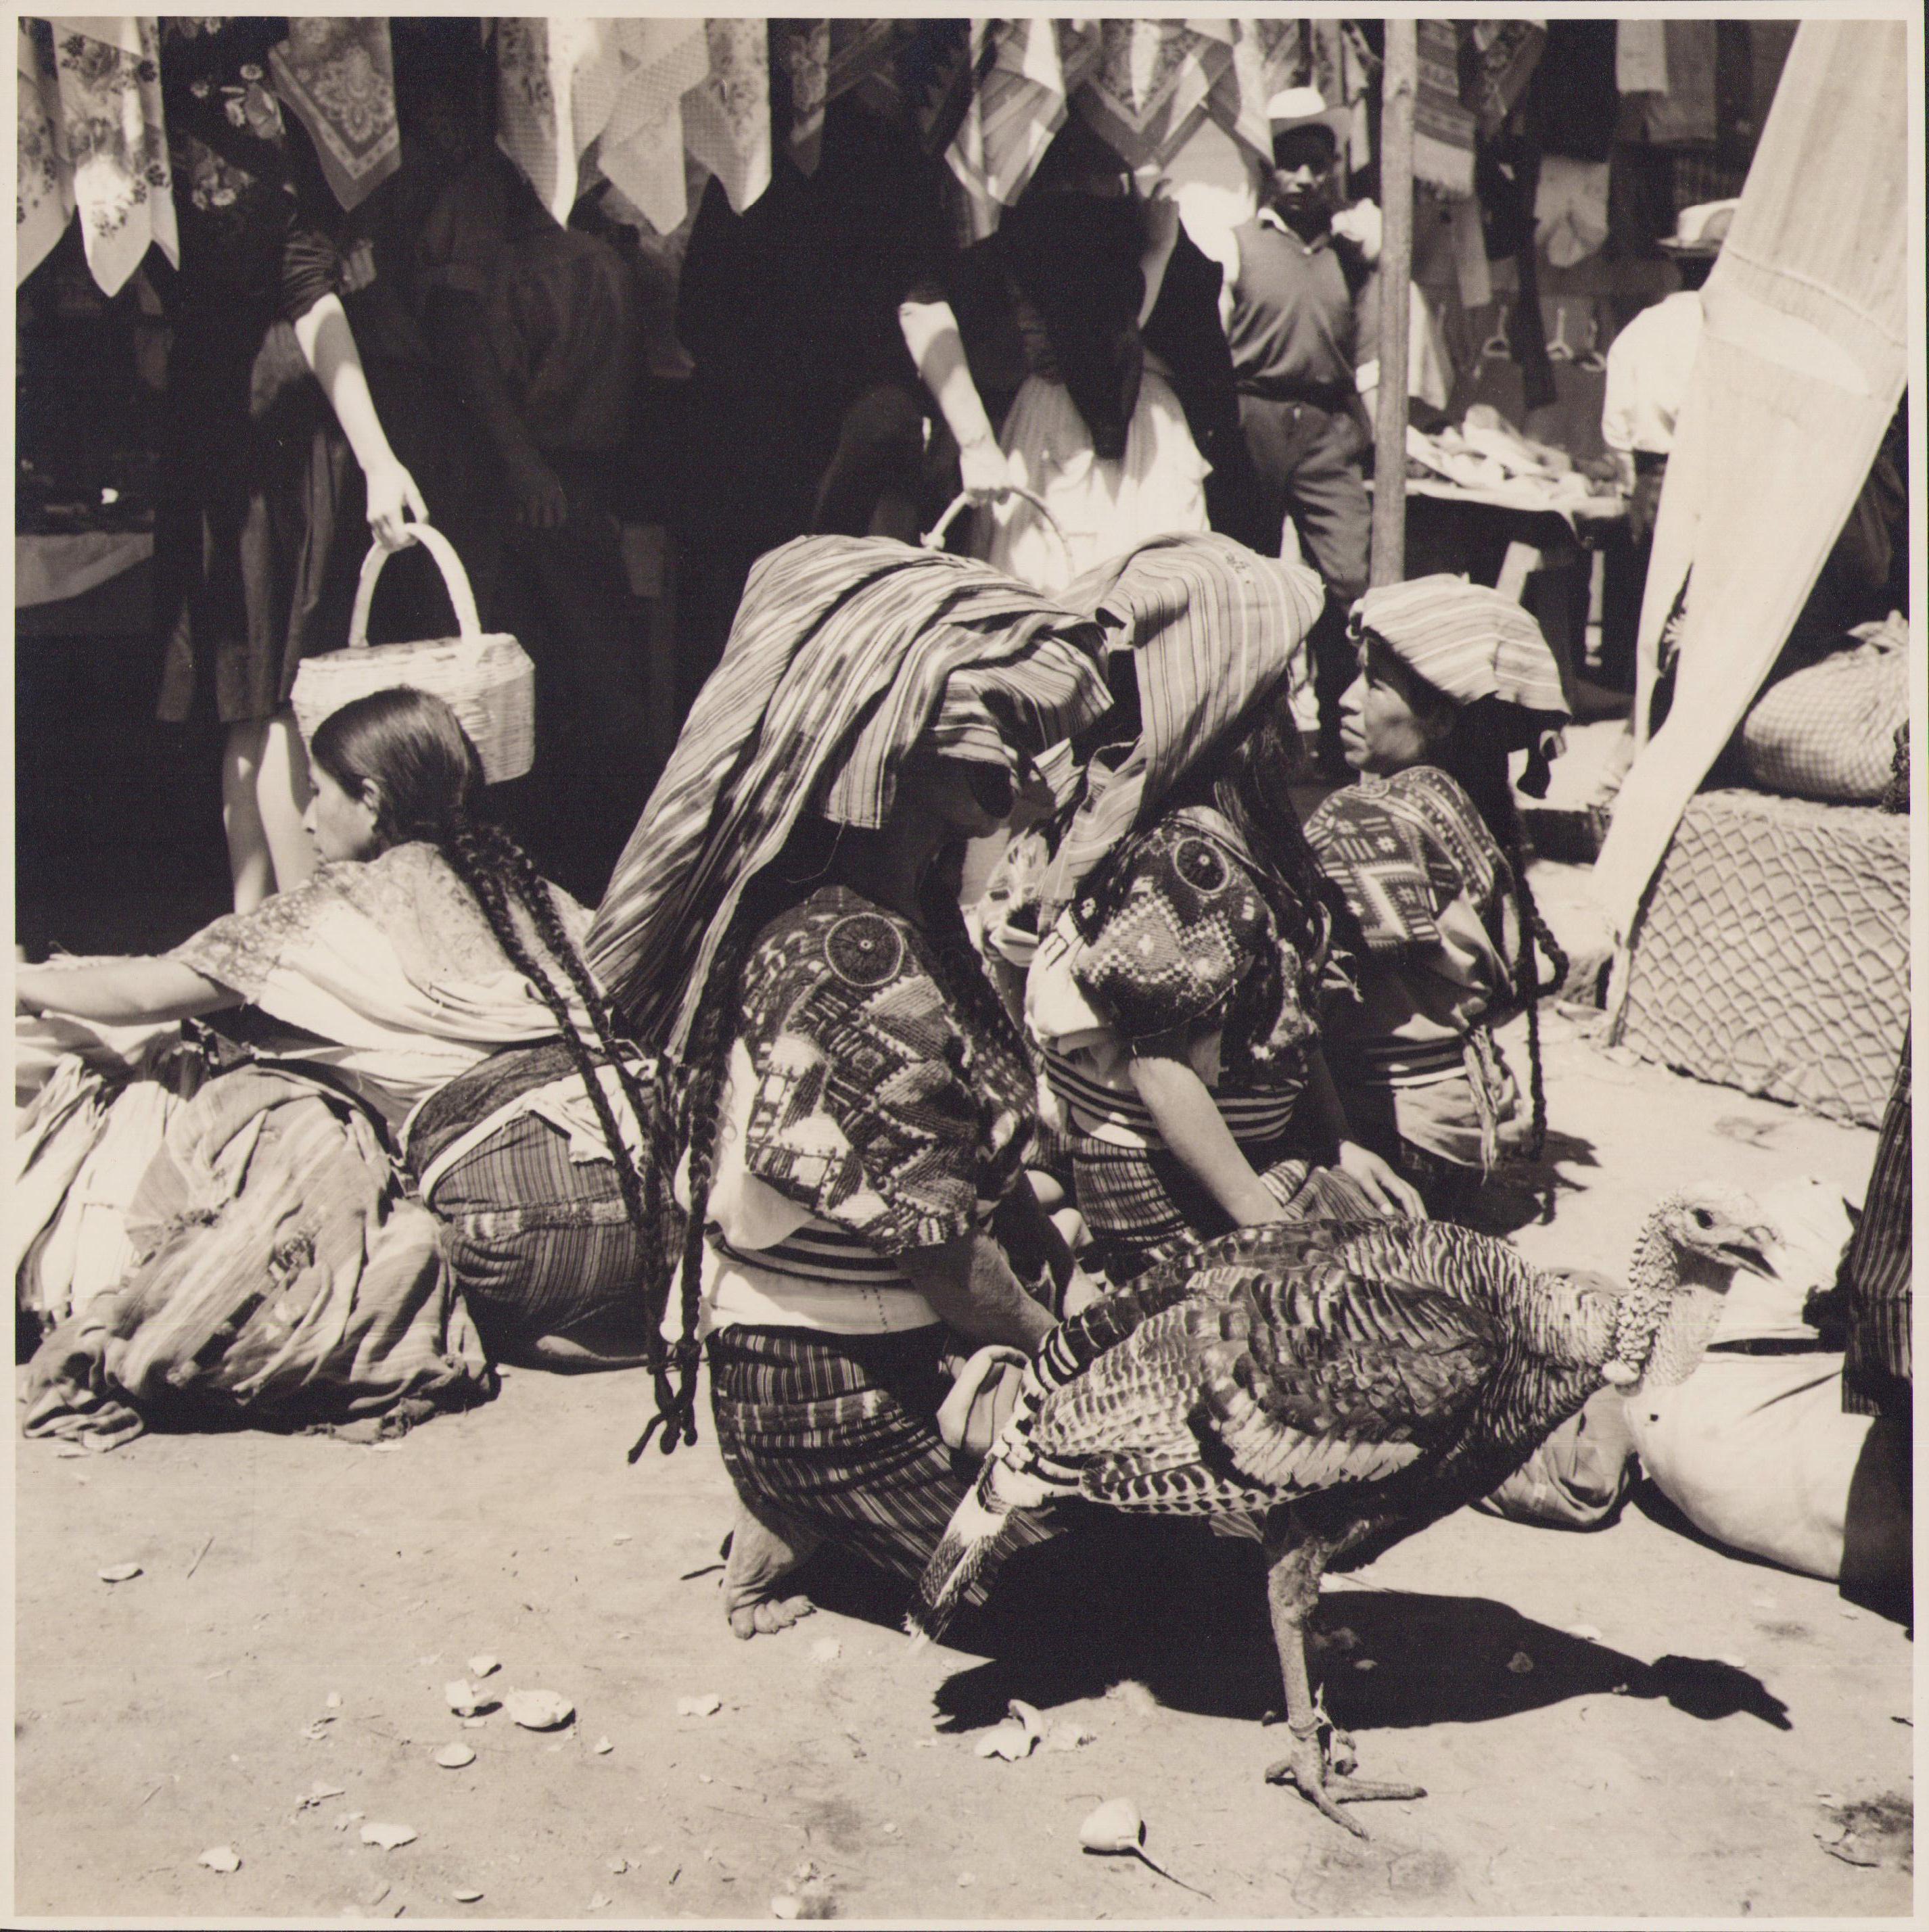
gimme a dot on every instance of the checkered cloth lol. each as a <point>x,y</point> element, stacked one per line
<point>1828,732</point>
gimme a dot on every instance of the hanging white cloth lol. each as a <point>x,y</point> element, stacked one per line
<point>45,173</point>
<point>1018,106</point>
<point>642,71</point>
<point>108,86</point>
<point>727,114</point>
<point>1641,56</point>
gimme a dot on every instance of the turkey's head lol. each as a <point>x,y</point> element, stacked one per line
<point>1686,1259</point>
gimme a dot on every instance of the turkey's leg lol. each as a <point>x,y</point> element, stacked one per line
<point>1293,1593</point>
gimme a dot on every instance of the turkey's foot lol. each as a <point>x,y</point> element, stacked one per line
<point>760,1558</point>
<point>1311,1768</point>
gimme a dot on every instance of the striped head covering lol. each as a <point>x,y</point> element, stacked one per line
<point>1466,641</point>
<point>847,653</point>
<point>1476,645</point>
<point>1212,628</point>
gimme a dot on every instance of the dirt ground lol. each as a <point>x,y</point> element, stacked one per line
<point>1687,1762</point>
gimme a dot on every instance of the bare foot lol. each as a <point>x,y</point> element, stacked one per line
<point>761,1557</point>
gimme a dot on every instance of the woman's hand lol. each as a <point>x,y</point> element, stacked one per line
<point>1398,1197</point>
<point>392,493</point>
<point>986,475</point>
<point>541,502</point>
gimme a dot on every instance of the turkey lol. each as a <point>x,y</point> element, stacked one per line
<point>1333,1387</point>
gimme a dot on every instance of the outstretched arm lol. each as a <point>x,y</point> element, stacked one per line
<point>931,333</point>
<point>121,992</point>
<point>970,1285</point>
<point>328,342</point>
<point>1375,1175</point>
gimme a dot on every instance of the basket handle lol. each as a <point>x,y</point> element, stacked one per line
<point>455,580</point>
<point>934,538</point>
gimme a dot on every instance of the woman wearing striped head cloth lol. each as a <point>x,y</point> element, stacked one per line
<point>1175,994</point>
<point>785,923</point>
<point>1453,678</point>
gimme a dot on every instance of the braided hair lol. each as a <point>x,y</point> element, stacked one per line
<point>1475,754</point>
<point>404,751</point>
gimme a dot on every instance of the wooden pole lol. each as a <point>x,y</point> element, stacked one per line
<point>1396,261</point>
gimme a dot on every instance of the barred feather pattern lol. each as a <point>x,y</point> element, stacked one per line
<point>1361,1371</point>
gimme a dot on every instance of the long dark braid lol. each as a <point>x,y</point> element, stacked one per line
<point>1482,771</point>
<point>404,754</point>
<point>961,968</point>
<point>708,1060</point>
<point>499,875</point>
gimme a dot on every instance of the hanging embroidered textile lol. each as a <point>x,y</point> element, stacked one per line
<point>1443,128</point>
<point>45,173</point>
<point>107,86</point>
<point>338,77</point>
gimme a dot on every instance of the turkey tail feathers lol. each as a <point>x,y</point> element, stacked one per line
<point>982,1532</point>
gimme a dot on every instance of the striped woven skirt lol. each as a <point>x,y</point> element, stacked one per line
<point>1878,1268</point>
<point>1141,1203</point>
<point>837,1435</point>
<point>543,1246</point>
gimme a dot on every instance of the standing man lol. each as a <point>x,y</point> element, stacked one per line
<point>1648,365</point>
<point>1650,361</point>
<point>1298,305</point>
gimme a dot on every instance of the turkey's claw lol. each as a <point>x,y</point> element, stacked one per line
<point>1312,1770</point>
<point>1305,1772</point>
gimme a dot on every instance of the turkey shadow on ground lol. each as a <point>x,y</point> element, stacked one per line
<point>1195,1633</point>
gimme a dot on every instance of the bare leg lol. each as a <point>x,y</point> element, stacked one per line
<point>1293,1593</point>
<point>250,864</point>
<point>283,791</point>
<point>762,1554</point>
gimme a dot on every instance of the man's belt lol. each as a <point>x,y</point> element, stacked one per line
<point>1335,398</point>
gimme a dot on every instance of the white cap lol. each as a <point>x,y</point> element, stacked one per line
<point>1702,229</point>
<point>1306,107</point>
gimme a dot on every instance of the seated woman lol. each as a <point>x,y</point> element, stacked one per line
<point>786,922</point>
<point>425,990</point>
<point>1175,997</point>
<point>1453,677</point>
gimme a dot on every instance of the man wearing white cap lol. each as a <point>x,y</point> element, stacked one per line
<point>1297,307</point>
<point>1650,360</point>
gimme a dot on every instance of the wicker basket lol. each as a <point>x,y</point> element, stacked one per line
<point>486,679</point>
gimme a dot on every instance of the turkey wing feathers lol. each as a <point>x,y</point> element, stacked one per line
<point>1308,1385</point>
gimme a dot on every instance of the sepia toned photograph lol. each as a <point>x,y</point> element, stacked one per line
<point>963,968</point>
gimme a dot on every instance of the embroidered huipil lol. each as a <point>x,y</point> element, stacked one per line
<point>859,1119</point>
<point>1191,963</point>
<point>1425,879</point>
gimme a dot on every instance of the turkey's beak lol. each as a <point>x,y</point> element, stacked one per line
<point>1754,1250</point>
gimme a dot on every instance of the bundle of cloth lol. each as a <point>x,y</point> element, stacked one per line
<point>414,1144</point>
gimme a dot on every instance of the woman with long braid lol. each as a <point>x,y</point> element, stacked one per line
<point>857,1103</point>
<point>432,983</point>
<point>1453,678</point>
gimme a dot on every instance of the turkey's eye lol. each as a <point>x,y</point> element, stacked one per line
<point>1703,1219</point>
